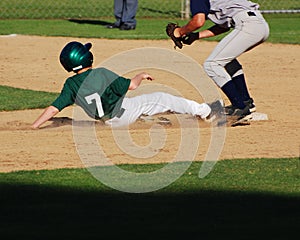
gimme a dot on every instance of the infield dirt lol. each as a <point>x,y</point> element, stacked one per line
<point>31,62</point>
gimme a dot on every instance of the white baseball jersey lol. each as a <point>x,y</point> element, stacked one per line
<point>222,11</point>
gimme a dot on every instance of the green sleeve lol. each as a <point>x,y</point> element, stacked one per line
<point>64,99</point>
<point>120,86</point>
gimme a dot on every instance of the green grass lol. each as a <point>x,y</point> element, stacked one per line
<point>35,9</point>
<point>284,28</point>
<point>147,29</point>
<point>18,99</point>
<point>251,198</point>
<point>273,176</point>
<point>278,4</point>
<point>51,9</point>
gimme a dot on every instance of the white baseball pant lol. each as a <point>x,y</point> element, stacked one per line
<point>155,103</point>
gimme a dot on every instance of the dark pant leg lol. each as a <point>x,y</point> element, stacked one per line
<point>118,11</point>
<point>129,12</point>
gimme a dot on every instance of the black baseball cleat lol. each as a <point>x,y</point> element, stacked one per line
<point>251,105</point>
<point>228,110</point>
<point>127,27</point>
<point>216,115</point>
<point>240,116</point>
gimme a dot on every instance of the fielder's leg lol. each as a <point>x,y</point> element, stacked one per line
<point>235,70</point>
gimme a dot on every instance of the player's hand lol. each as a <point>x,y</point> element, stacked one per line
<point>33,127</point>
<point>190,38</point>
<point>136,81</point>
<point>147,76</point>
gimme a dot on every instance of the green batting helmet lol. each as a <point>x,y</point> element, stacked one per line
<point>76,56</point>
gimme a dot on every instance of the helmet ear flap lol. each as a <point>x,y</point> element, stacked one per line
<point>89,59</point>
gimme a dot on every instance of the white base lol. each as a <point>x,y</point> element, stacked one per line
<point>259,116</point>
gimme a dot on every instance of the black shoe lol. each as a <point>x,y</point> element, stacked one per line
<point>240,116</point>
<point>127,27</point>
<point>217,113</point>
<point>250,104</point>
<point>112,26</point>
<point>241,113</point>
<point>228,110</point>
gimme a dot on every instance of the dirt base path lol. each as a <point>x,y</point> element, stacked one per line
<point>31,62</point>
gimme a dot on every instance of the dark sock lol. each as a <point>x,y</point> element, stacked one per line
<point>241,86</point>
<point>233,95</point>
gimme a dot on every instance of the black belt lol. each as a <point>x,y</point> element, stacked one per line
<point>232,23</point>
<point>251,13</point>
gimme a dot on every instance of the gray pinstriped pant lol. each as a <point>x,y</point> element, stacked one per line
<point>249,31</point>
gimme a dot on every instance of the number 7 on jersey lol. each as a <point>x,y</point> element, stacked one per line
<point>97,98</point>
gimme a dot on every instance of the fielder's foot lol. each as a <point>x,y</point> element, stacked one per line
<point>251,105</point>
<point>240,117</point>
<point>228,110</point>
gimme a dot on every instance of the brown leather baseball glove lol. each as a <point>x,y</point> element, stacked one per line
<point>170,28</point>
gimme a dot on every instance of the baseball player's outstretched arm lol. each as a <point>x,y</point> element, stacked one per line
<point>195,23</point>
<point>137,79</point>
<point>48,113</point>
<point>213,31</point>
